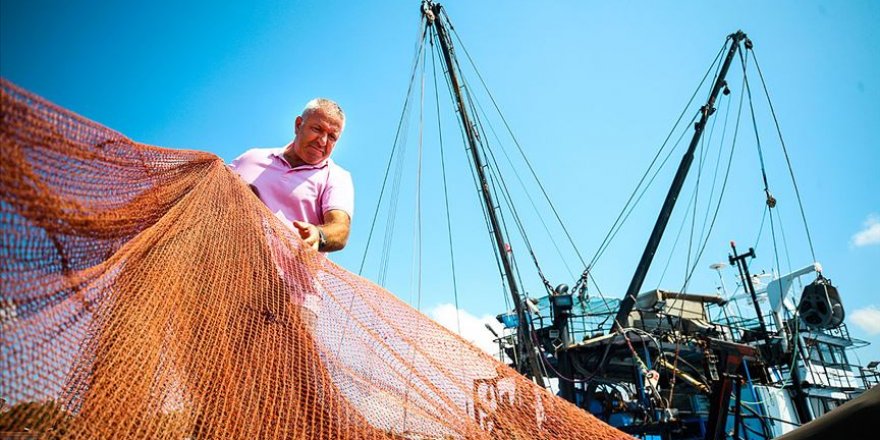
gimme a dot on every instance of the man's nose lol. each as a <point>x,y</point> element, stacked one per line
<point>322,139</point>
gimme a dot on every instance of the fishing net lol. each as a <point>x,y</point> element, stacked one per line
<point>147,293</point>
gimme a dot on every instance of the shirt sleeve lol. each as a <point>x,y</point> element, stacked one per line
<point>339,193</point>
<point>237,162</point>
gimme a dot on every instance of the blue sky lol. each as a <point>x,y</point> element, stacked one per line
<point>590,88</point>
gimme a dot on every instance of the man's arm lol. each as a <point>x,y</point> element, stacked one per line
<point>337,225</point>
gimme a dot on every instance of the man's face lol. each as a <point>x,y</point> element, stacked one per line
<point>316,135</point>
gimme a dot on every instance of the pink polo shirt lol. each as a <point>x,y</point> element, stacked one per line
<point>303,193</point>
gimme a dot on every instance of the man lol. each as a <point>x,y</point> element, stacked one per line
<point>300,183</point>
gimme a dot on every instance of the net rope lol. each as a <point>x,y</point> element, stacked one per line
<point>147,293</point>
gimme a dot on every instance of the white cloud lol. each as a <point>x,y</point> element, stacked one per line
<point>473,328</point>
<point>870,235</point>
<point>868,319</point>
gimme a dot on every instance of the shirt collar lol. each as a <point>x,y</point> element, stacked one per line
<point>279,153</point>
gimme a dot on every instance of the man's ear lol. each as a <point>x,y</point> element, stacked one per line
<point>297,124</point>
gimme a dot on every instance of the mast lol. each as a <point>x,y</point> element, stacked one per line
<point>527,349</point>
<point>626,304</point>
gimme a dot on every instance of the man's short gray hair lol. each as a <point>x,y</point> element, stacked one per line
<point>328,106</point>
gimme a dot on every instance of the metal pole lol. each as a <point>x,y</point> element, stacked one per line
<point>740,261</point>
<point>527,348</point>
<point>626,304</point>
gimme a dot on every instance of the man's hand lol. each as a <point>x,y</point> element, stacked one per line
<point>336,226</point>
<point>309,233</point>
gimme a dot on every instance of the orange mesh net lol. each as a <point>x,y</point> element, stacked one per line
<point>147,293</point>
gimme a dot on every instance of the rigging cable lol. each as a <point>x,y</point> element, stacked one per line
<point>785,243</point>
<point>519,148</point>
<point>704,140</point>
<point>611,236</point>
<point>587,272</point>
<point>703,232</point>
<point>785,151</point>
<point>497,181</point>
<point>417,257</point>
<point>675,244</point>
<point>630,204</point>
<point>620,216</point>
<point>477,187</point>
<point>505,192</point>
<point>417,230</point>
<point>696,197</point>
<point>624,214</point>
<point>720,195</point>
<point>534,175</point>
<point>771,201</point>
<point>642,193</point>
<point>705,239</point>
<point>500,232</point>
<point>693,200</point>
<point>423,29</point>
<point>445,190</point>
<point>525,190</point>
<point>494,182</point>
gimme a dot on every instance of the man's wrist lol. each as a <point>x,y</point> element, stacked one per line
<point>322,238</point>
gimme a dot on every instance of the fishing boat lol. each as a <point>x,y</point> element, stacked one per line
<point>109,267</point>
<point>756,361</point>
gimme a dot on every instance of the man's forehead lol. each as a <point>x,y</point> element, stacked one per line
<point>320,115</point>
